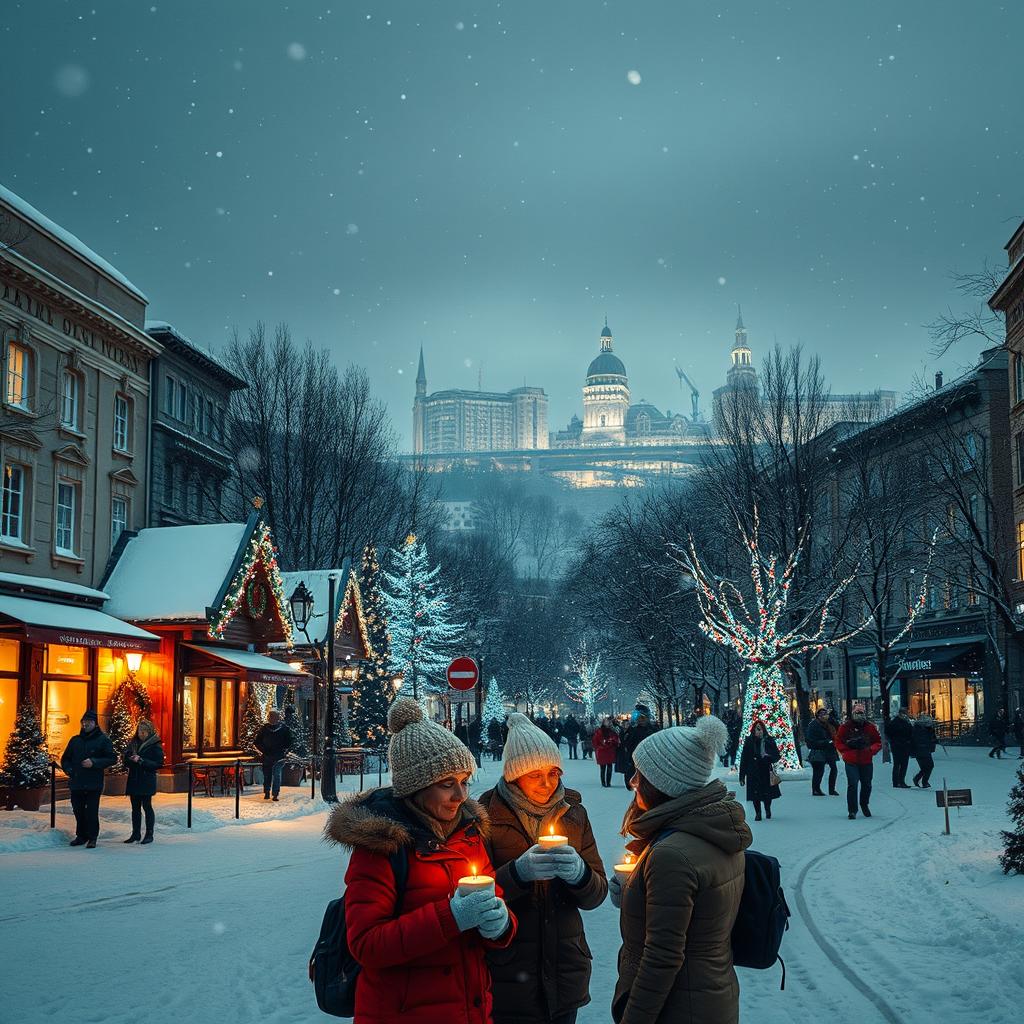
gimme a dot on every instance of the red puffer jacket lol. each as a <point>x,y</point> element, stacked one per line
<point>865,740</point>
<point>605,747</point>
<point>418,968</point>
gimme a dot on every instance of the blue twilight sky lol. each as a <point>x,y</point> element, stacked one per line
<point>490,179</point>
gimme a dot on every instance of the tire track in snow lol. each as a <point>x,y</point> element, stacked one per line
<point>837,961</point>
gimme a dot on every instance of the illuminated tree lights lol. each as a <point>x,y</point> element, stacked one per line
<point>753,633</point>
<point>589,686</point>
<point>374,692</point>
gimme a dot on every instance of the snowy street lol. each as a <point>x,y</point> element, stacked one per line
<point>891,920</point>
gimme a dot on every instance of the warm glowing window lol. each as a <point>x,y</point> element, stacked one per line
<point>64,660</point>
<point>9,655</point>
<point>19,365</point>
<point>189,711</point>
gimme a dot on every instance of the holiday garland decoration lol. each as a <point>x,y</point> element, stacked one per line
<point>129,702</point>
<point>260,552</point>
<point>754,633</point>
<point>589,686</point>
<point>26,759</point>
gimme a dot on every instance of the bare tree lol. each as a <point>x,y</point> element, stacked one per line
<point>976,321</point>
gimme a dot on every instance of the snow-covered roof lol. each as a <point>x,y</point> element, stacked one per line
<point>65,238</point>
<point>317,582</point>
<point>173,573</point>
<point>76,623</point>
<point>163,327</point>
<point>41,583</point>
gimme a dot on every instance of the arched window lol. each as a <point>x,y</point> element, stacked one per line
<point>19,373</point>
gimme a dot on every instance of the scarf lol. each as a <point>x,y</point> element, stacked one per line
<point>535,818</point>
<point>443,830</point>
<point>140,745</point>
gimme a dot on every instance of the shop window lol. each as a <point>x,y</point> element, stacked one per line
<point>227,709</point>
<point>189,713</point>
<point>118,518</point>
<point>66,519</point>
<point>20,369</point>
<point>209,714</point>
<point>64,660</point>
<point>218,711</point>
<point>122,423</point>
<point>65,694</point>
<point>70,400</point>
<point>10,651</point>
<point>12,517</point>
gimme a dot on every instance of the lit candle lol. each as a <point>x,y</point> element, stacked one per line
<point>623,870</point>
<point>475,882</point>
<point>550,841</point>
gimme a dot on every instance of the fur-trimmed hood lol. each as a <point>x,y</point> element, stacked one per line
<point>378,821</point>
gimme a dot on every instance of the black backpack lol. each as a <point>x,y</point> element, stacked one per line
<point>332,968</point>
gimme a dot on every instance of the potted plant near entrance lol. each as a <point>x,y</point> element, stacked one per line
<point>26,769</point>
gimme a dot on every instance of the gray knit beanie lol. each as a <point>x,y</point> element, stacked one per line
<point>527,748</point>
<point>677,760</point>
<point>421,752</point>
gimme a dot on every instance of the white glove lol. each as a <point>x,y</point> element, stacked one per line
<point>494,922</point>
<point>569,865</point>
<point>470,910</point>
<point>615,890</point>
<point>536,865</point>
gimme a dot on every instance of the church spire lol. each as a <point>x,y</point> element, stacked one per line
<point>739,318</point>
<point>421,376</point>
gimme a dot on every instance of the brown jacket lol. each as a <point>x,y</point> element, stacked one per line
<point>546,970</point>
<point>678,909</point>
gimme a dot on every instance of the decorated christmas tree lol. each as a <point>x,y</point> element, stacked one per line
<point>129,702</point>
<point>252,720</point>
<point>423,636</point>
<point>757,632</point>
<point>1012,857</point>
<point>589,685</point>
<point>295,723</point>
<point>26,759</point>
<point>495,707</point>
<point>374,694</point>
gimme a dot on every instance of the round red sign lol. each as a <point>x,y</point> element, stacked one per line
<point>463,674</point>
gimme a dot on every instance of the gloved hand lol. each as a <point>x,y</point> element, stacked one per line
<point>470,910</point>
<point>569,865</point>
<point>536,865</point>
<point>494,922</point>
<point>615,890</point>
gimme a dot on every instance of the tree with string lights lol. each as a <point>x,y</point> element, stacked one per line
<point>588,684</point>
<point>375,692</point>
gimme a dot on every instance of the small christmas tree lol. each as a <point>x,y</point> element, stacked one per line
<point>374,693</point>
<point>1012,857</point>
<point>252,720</point>
<point>26,759</point>
<point>295,723</point>
<point>494,708</point>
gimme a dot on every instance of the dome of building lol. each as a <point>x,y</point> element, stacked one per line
<point>607,364</point>
<point>607,332</point>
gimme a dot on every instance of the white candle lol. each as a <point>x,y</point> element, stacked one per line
<point>550,841</point>
<point>623,870</point>
<point>475,882</point>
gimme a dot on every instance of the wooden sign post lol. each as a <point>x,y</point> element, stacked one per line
<point>946,798</point>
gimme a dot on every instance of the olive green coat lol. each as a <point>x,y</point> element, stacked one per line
<point>545,972</point>
<point>678,909</point>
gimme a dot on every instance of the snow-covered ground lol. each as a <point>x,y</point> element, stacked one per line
<point>893,921</point>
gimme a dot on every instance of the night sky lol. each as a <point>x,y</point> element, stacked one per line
<point>491,179</point>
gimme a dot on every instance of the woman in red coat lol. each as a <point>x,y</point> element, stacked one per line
<point>857,741</point>
<point>605,743</point>
<point>422,955</point>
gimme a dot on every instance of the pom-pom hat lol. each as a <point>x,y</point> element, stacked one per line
<point>527,749</point>
<point>677,760</point>
<point>421,752</point>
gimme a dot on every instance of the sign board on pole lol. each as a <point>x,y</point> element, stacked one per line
<point>463,674</point>
<point>953,798</point>
<point>462,697</point>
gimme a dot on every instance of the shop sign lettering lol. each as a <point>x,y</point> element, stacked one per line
<point>87,640</point>
<point>922,665</point>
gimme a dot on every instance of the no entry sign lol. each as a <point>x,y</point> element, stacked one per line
<point>463,674</point>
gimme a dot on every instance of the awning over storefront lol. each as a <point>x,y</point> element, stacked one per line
<point>54,623</point>
<point>932,659</point>
<point>257,668</point>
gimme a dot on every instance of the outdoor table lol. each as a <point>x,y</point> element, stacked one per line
<point>223,763</point>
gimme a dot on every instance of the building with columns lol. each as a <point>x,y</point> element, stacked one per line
<point>605,396</point>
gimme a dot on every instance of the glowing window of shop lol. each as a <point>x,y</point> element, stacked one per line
<point>9,654</point>
<point>209,714</point>
<point>65,694</point>
<point>189,712</point>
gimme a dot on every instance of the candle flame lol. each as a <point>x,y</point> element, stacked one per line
<point>472,870</point>
<point>551,830</point>
<point>629,858</point>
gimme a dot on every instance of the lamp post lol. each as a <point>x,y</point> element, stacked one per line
<point>301,603</point>
<point>328,784</point>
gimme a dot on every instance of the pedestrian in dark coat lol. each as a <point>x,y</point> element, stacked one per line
<point>543,977</point>
<point>606,747</point>
<point>571,731</point>
<point>857,742</point>
<point>84,761</point>
<point>924,742</point>
<point>760,754</point>
<point>821,746</point>
<point>143,757</point>
<point>273,741</point>
<point>679,904</point>
<point>639,729</point>
<point>424,963</point>
<point>997,730</point>
<point>495,739</point>
<point>586,732</point>
<point>734,725</point>
<point>1018,730</point>
<point>899,733</point>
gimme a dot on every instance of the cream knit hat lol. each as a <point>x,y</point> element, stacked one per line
<point>421,752</point>
<point>527,748</point>
<point>680,759</point>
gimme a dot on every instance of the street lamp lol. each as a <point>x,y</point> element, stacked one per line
<point>302,602</point>
<point>328,784</point>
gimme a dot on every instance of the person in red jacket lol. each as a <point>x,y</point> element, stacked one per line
<point>422,955</point>
<point>857,741</point>
<point>605,743</point>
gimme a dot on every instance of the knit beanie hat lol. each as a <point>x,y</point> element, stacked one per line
<point>421,752</point>
<point>679,759</point>
<point>89,714</point>
<point>527,748</point>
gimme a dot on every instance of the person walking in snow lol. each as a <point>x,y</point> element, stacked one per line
<point>857,742</point>
<point>143,757</point>
<point>587,730</point>
<point>605,742</point>
<point>924,742</point>
<point>678,906</point>
<point>544,976</point>
<point>640,728</point>
<point>422,955</point>
<point>821,745</point>
<point>84,760</point>
<point>273,741</point>
<point>495,738</point>
<point>899,734</point>
<point>571,731</point>
<point>734,724</point>
<point>997,730</point>
<point>760,755</point>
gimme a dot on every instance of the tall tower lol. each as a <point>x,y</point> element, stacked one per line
<point>605,396</point>
<point>419,408</point>
<point>741,373</point>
